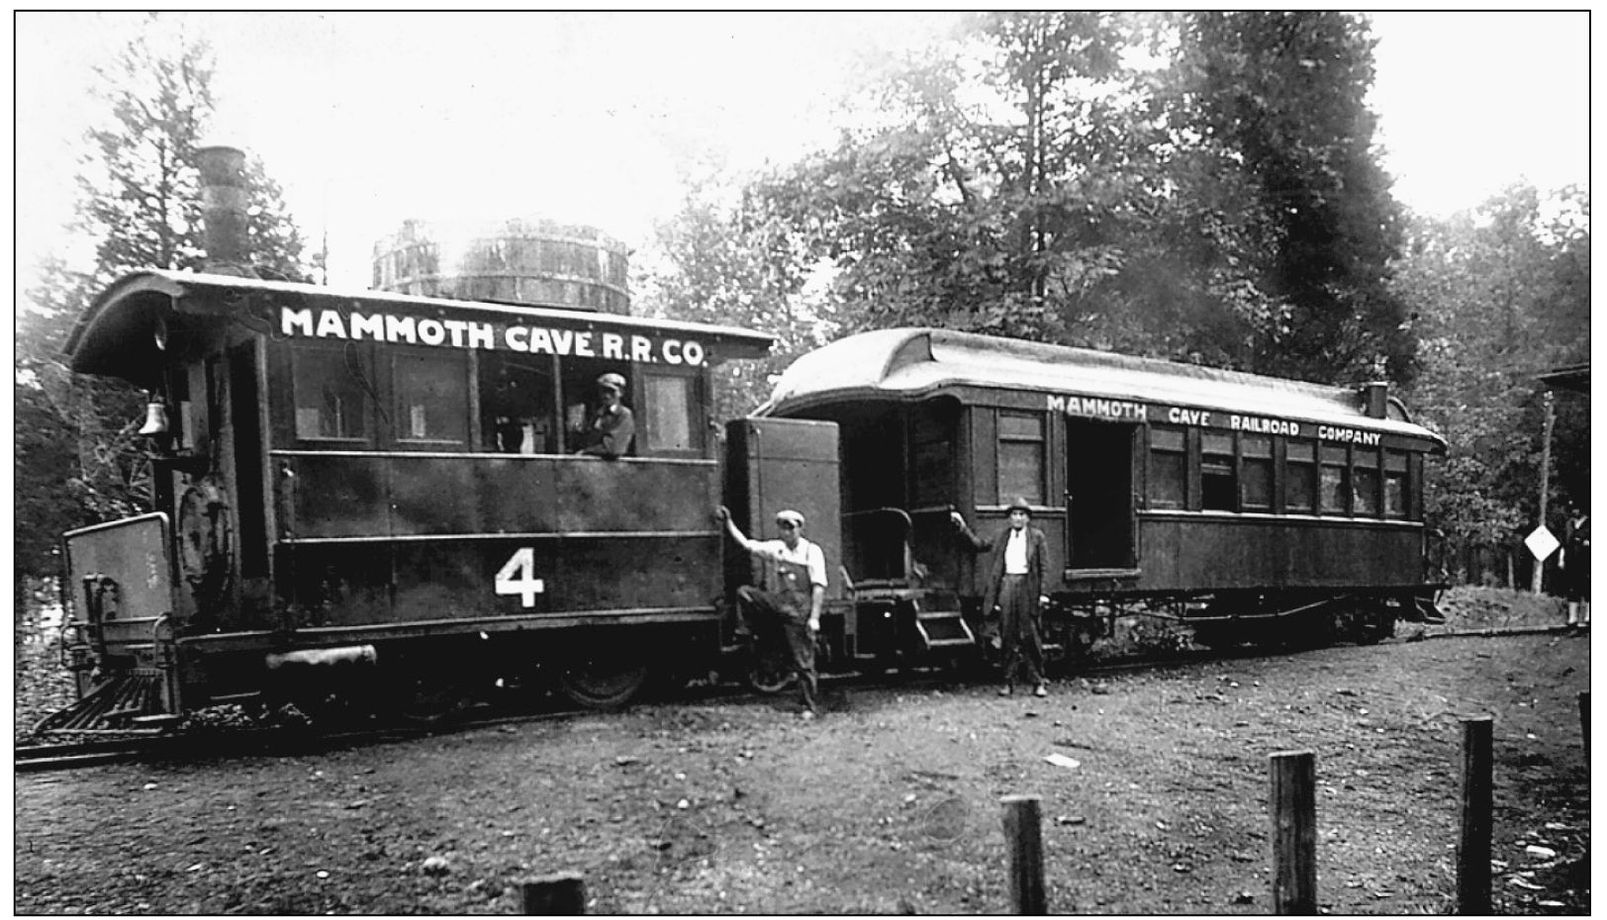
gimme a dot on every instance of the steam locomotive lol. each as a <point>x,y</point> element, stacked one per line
<point>373,500</point>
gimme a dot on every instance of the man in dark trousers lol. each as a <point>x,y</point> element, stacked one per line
<point>794,592</point>
<point>1014,582</point>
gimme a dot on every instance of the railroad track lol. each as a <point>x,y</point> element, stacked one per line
<point>33,758</point>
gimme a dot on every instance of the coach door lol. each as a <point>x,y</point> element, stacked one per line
<point>1100,523</point>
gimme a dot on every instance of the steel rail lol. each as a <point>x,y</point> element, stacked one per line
<point>34,758</point>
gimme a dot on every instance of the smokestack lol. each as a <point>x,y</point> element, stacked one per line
<point>1375,399</point>
<point>223,208</point>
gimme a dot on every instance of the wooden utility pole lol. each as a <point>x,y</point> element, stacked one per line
<point>555,895</point>
<point>1294,833</point>
<point>1023,833</point>
<point>1545,480</point>
<point>1473,853</point>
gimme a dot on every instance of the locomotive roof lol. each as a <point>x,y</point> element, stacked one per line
<point>913,363</point>
<point>113,336</point>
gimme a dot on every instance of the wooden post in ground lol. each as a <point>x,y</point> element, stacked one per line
<point>1584,721</point>
<point>555,895</point>
<point>1473,853</point>
<point>1023,834</point>
<point>1294,832</point>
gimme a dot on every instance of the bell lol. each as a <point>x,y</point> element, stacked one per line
<point>155,418</point>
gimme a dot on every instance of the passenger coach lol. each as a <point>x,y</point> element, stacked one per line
<point>349,479</point>
<point>1252,507</point>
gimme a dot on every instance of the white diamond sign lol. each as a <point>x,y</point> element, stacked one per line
<point>1541,543</point>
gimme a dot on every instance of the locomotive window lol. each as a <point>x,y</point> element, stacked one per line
<point>1395,480</point>
<point>432,397</point>
<point>332,389</point>
<point>1021,462</point>
<point>1335,488</point>
<point>1300,493</point>
<point>670,407</point>
<point>1257,484</point>
<point>1218,485</point>
<point>1168,468</point>
<point>1365,478</point>
<point>582,401</point>
<point>518,404</point>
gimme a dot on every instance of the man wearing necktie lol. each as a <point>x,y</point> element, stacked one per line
<point>1015,582</point>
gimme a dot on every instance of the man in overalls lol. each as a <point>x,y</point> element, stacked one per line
<point>794,592</point>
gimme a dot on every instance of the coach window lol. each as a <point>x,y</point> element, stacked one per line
<point>1021,463</point>
<point>1300,489</point>
<point>332,390</point>
<point>1335,489</point>
<point>1395,480</point>
<point>1168,468</point>
<point>1364,476</point>
<point>1256,452</point>
<point>432,398</point>
<point>1218,485</point>
<point>671,422</point>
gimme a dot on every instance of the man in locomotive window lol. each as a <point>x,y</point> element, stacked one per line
<point>794,592</point>
<point>610,429</point>
<point>1015,579</point>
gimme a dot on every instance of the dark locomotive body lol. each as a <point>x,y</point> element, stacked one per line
<point>1251,508</point>
<point>379,495</point>
<point>374,501</point>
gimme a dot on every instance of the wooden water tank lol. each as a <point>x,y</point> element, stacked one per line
<point>538,262</point>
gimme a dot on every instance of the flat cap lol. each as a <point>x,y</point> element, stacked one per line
<point>613,381</point>
<point>789,517</point>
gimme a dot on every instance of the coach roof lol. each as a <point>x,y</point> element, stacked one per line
<point>914,363</point>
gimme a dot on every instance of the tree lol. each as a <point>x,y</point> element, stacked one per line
<point>139,202</point>
<point>734,263</point>
<point>990,192</point>
<point>1502,295</point>
<point>1284,93</point>
<point>1030,180</point>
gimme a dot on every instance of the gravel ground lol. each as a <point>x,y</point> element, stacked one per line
<point>888,804</point>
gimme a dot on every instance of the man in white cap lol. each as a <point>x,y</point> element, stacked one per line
<point>609,432</point>
<point>794,592</point>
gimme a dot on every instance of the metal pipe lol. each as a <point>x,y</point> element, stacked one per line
<point>324,657</point>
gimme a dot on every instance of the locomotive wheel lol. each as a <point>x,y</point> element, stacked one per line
<point>770,675</point>
<point>603,682</point>
<point>429,701</point>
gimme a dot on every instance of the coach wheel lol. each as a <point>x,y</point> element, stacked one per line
<point>603,682</point>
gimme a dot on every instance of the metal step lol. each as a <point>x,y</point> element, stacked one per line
<point>943,629</point>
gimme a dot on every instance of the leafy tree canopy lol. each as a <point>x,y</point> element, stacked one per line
<point>78,458</point>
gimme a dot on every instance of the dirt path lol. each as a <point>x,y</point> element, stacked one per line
<point>888,804</point>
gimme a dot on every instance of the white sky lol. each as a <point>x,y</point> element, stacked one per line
<point>368,119</point>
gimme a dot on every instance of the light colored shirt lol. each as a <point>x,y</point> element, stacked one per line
<point>1015,553</point>
<point>806,554</point>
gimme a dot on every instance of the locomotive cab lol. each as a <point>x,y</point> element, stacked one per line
<point>423,485</point>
